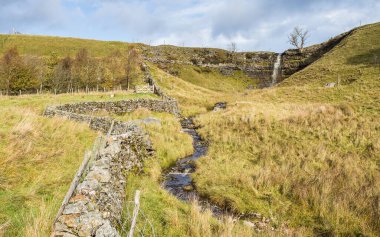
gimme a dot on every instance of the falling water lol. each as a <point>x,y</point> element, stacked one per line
<point>276,70</point>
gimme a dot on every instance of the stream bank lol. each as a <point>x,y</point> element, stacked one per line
<point>177,180</point>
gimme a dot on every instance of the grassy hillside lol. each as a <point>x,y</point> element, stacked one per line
<point>301,154</point>
<point>304,155</point>
<point>355,61</point>
<point>43,57</point>
<point>213,79</point>
<point>62,46</point>
<point>38,159</point>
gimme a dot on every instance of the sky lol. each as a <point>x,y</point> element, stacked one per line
<point>254,25</point>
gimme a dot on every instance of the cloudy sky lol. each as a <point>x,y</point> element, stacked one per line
<point>255,25</point>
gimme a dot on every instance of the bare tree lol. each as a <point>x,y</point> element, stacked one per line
<point>232,47</point>
<point>298,38</point>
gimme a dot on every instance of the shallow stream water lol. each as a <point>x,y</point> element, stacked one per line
<point>178,179</point>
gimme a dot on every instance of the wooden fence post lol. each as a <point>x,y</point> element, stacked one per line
<point>135,212</point>
<point>73,185</point>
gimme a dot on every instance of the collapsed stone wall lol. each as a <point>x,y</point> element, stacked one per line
<point>95,207</point>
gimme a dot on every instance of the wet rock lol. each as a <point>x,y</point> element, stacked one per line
<point>219,106</point>
<point>188,188</point>
<point>187,123</point>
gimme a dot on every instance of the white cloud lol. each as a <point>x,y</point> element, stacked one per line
<point>252,24</point>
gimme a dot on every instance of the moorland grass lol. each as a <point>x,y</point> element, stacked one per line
<point>38,159</point>
<point>168,215</point>
<point>302,154</point>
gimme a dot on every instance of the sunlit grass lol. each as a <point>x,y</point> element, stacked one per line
<point>62,46</point>
<point>301,154</point>
<point>38,159</point>
<point>168,215</point>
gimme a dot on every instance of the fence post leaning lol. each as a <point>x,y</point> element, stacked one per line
<point>135,212</point>
<point>73,185</point>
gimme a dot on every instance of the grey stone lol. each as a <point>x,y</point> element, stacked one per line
<point>330,85</point>
<point>219,106</point>
<point>106,230</point>
<point>87,186</point>
<point>89,223</point>
<point>75,208</point>
<point>60,227</point>
<point>99,174</point>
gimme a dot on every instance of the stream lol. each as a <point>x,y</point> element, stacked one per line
<point>178,179</point>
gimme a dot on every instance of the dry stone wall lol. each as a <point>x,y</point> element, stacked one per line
<point>144,89</point>
<point>119,107</point>
<point>95,209</point>
<point>156,89</point>
<point>96,205</point>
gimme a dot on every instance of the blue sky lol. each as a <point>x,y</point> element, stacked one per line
<point>254,25</point>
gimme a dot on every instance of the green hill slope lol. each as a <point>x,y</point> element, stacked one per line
<point>304,155</point>
<point>62,46</point>
<point>355,61</point>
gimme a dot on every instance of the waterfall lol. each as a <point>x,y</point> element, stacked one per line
<point>276,70</point>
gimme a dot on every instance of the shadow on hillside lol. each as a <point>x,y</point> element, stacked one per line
<point>370,59</point>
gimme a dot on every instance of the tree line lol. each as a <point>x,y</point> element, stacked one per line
<point>33,74</point>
